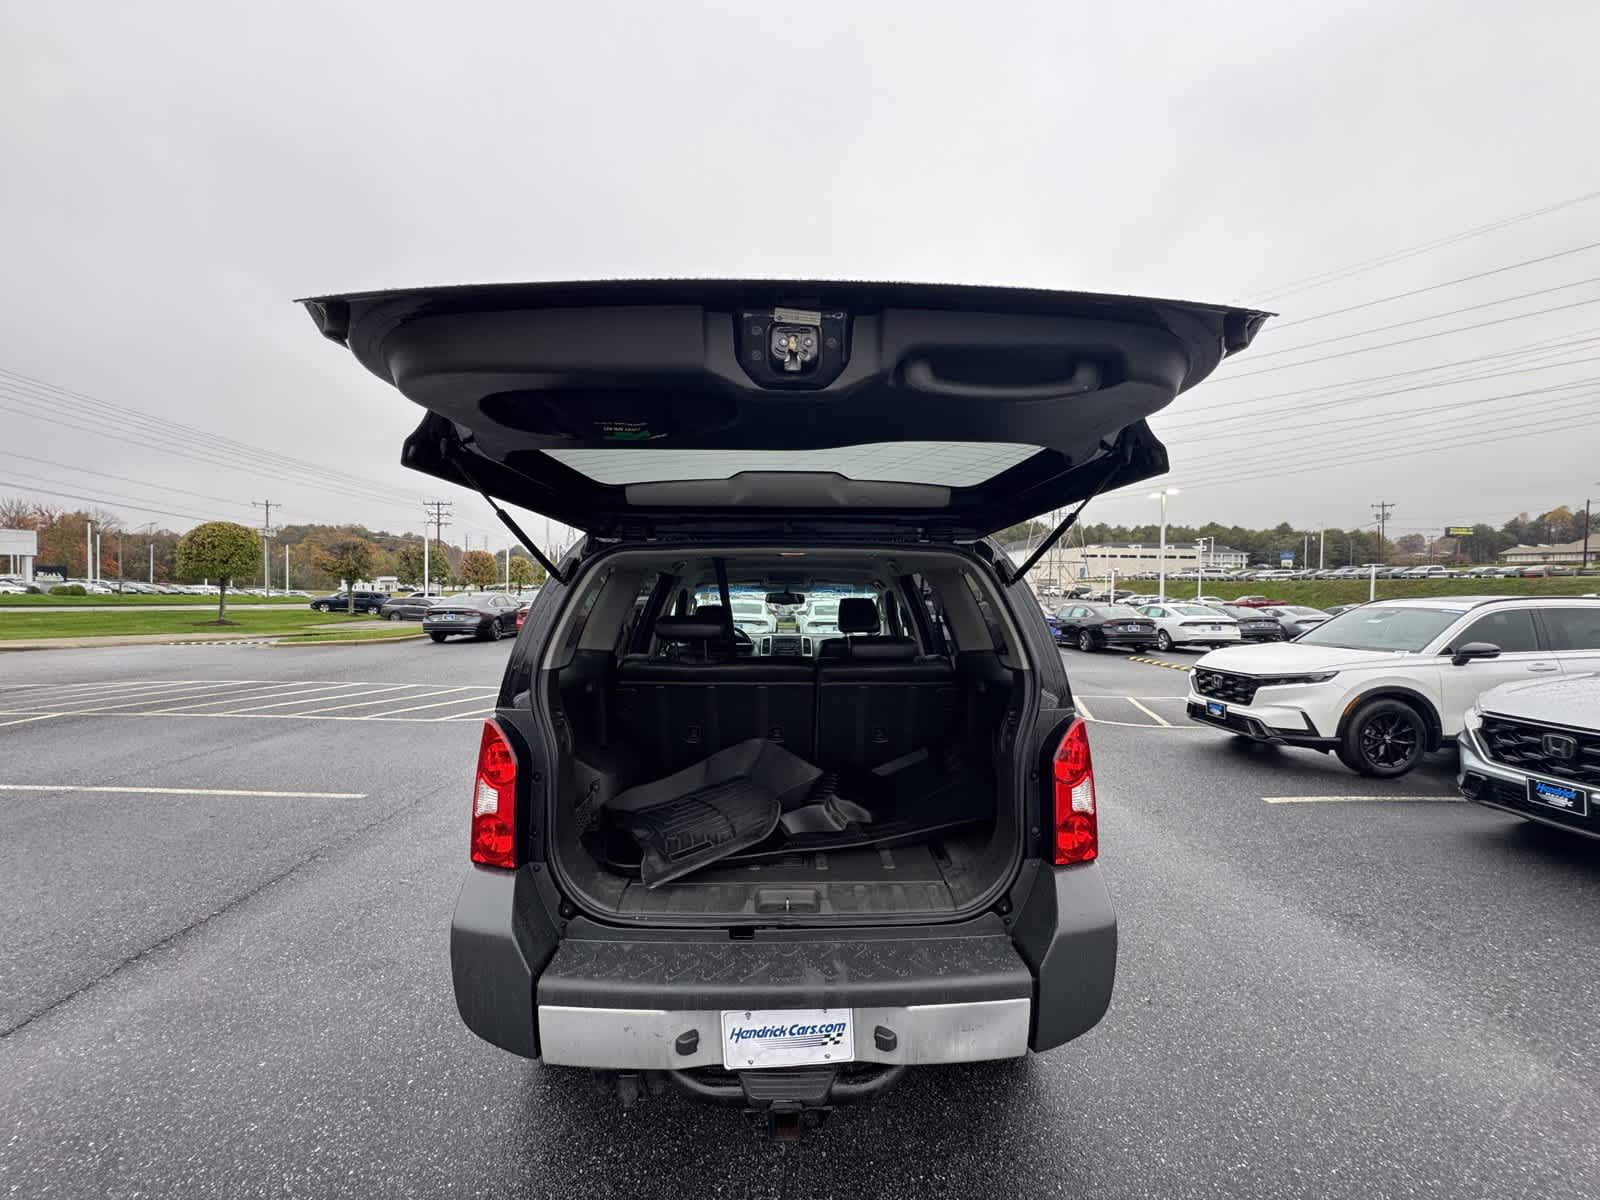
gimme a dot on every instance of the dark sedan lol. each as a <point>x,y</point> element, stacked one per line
<point>1295,619</point>
<point>486,615</point>
<point>408,608</point>
<point>1254,624</point>
<point>1091,626</point>
<point>367,602</point>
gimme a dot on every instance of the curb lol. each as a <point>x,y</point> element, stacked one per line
<point>383,641</point>
<point>1156,662</point>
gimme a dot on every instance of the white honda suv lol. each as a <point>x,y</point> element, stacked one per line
<point>1382,684</point>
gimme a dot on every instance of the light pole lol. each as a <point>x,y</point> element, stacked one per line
<point>1200,564</point>
<point>1161,552</point>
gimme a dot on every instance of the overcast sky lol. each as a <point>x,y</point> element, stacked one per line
<point>175,174</point>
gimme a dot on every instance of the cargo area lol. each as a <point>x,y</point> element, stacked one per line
<point>806,736</point>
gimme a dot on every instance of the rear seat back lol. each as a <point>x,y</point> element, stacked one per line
<point>876,699</point>
<point>681,710</point>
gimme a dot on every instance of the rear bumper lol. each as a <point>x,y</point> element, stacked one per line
<point>616,999</point>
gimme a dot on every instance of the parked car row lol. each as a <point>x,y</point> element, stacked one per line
<point>1164,625</point>
<point>1514,681</point>
<point>1381,570</point>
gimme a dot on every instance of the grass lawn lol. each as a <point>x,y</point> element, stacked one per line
<point>47,601</point>
<point>1320,593</point>
<point>260,619</point>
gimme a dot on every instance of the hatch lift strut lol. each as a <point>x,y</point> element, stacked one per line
<point>1122,450</point>
<point>456,455</point>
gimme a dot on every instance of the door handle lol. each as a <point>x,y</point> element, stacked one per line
<point>1542,668</point>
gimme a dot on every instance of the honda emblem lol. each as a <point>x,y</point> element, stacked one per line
<point>1560,745</point>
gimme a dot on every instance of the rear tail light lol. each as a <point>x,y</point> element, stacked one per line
<point>494,801</point>
<point>1077,838</point>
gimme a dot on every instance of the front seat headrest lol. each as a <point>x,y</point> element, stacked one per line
<point>857,614</point>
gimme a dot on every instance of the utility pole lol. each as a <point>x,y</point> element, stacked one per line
<point>1381,511</point>
<point>1586,505</point>
<point>266,538</point>
<point>88,551</point>
<point>436,510</point>
<point>286,569</point>
<point>1322,548</point>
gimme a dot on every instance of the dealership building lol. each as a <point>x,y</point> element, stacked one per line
<point>18,549</point>
<point>1560,552</point>
<point>1100,560</point>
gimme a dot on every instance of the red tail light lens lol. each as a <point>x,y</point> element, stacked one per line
<point>494,801</point>
<point>1077,835</point>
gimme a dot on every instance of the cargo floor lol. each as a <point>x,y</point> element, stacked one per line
<point>919,878</point>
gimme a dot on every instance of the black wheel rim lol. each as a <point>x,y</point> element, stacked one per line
<point>1390,739</point>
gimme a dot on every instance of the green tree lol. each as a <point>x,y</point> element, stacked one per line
<point>521,571</point>
<point>350,561</point>
<point>408,564</point>
<point>219,550</point>
<point>478,568</point>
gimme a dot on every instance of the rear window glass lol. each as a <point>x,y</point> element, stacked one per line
<point>1573,628</point>
<point>950,464</point>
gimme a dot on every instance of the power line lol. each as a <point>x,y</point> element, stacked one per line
<point>177,439</point>
<point>1380,437</point>
<point>208,457</point>
<point>1308,282</point>
<point>1409,414</point>
<point>34,490</point>
<point>1365,458</point>
<point>1421,337</point>
<point>1454,312</point>
<point>1533,349</point>
<point>48,462</point>
<point>1278,326</point>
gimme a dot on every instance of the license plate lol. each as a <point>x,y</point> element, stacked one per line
<point>1216,709</point>
<point>786,1037</point>
<point>1562,796</point>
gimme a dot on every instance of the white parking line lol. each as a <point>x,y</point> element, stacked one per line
<point>393,687</point>
<point>1147,712</point>
<point>25,720</point>
<point>1082,707</point>
<point>446,703</point>
<point>268,692</point>
<point>1363,799</point>
<point>165,791</point>
<point>152,691</point>
<point>300,695</point>
<point>155,695</point>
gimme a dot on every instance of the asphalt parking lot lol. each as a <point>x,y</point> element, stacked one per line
<point>228,873</point>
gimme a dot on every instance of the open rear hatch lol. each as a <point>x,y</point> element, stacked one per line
<point>631,409</point>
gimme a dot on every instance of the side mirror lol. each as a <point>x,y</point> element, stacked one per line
<point>1472,650</point>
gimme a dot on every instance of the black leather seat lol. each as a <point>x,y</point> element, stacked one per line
<point>877,700</point>
<point>702,699</point>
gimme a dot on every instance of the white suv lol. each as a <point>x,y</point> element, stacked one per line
<point>1382,684</point>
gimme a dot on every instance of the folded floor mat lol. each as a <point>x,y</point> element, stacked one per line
<point>719,806</point>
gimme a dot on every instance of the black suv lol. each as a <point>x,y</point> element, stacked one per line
<point>783,877</point>
<point>365,602</point>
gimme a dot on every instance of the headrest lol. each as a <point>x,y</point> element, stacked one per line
<point>697,628</point>
<point>712,612</point>
<point>891,649</point>
<point>857,614</point>
<point>882,649</point>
